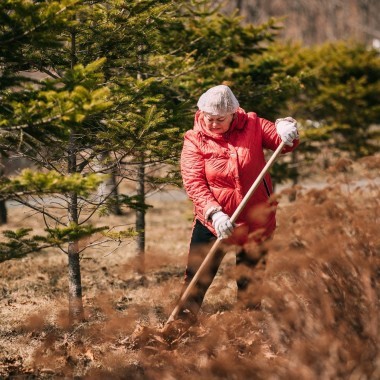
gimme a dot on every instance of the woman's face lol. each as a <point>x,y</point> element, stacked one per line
<point>218,124</point>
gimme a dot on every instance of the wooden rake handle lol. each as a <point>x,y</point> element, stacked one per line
<point>214,248</point>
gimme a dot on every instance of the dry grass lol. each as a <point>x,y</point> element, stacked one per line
<point>320,299</point>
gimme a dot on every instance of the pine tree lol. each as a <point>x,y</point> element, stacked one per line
<point>55,123</point>
<point>337,102</point>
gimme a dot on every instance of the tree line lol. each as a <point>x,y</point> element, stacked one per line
<point>315,21</point>
<point>117,88</point>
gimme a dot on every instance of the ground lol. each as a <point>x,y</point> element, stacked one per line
<point>319,314</point>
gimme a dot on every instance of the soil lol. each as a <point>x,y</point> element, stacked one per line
<point>318,315</point>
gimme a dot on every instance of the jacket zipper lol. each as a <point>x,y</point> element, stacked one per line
<point>266,187</point>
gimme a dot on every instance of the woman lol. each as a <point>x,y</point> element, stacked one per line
<point>221,158</point>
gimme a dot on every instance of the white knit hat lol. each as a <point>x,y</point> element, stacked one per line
<point>218,100</point>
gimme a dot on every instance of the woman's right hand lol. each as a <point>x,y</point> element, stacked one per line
<point>222,224</point>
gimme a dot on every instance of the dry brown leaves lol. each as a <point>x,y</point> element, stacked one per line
<point>319,314</point>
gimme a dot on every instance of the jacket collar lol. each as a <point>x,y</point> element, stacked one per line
<point>239,122</point>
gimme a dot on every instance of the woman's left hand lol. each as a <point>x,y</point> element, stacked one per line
<point>287,130</point>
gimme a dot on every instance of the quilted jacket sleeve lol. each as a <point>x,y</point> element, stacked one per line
<point>194,178</point>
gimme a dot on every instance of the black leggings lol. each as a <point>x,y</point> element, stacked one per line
<point>200,244</point>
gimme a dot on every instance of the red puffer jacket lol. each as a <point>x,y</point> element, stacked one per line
<point>218,170</point>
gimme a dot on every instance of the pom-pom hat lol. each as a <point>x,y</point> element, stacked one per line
<point>218,101</point>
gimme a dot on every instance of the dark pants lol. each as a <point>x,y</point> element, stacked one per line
<point>201,242</point>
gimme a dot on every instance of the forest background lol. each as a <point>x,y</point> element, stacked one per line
<point>95,98</point>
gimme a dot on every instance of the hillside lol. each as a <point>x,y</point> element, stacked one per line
<point>317,21</point>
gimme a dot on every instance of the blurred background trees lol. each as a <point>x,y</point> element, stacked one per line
<point>313,22</point>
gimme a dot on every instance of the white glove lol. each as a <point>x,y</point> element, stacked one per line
<point>222,224</point>
<point>287,130</point>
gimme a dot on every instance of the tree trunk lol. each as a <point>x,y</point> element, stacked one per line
<point>115,208</point>
<point>3,213</point>
<point>140,190</point>
<point>108,189</point>
<point>239,6</point>
<point>3,208</point>
<point>76,313</point>
<point>140,218</point>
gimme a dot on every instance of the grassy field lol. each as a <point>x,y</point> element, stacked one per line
<point>319,315</point>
